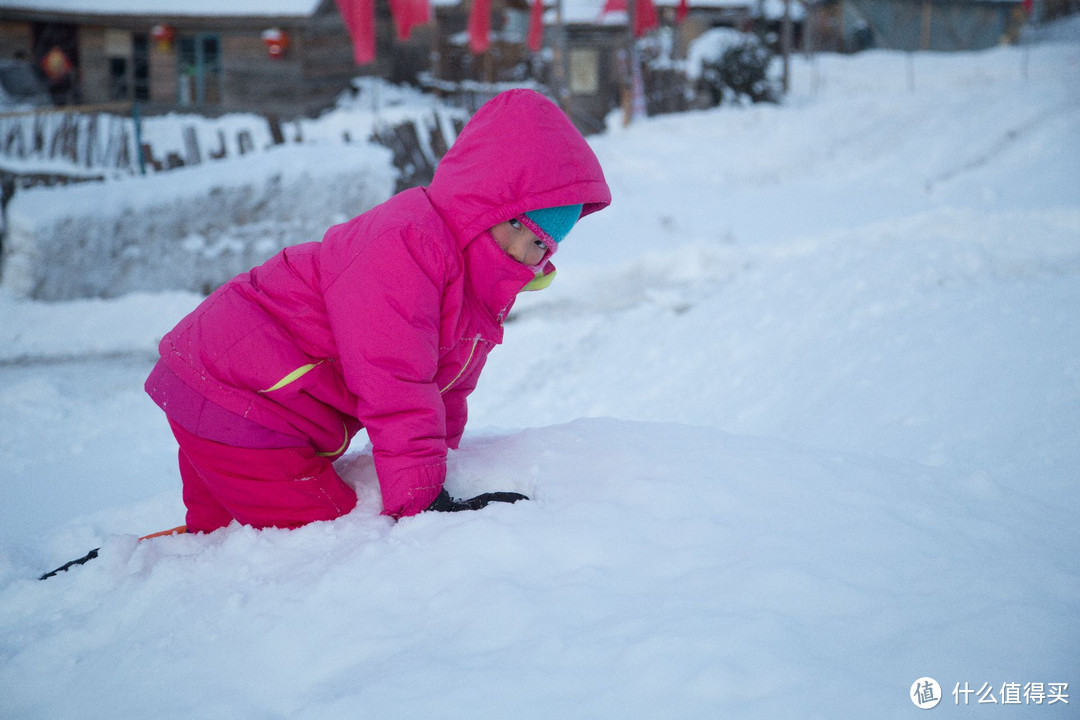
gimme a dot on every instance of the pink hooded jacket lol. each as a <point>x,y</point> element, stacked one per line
<point>386,323</point>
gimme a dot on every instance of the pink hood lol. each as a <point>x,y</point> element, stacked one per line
<point>386,323</point>
<point>518,153</point>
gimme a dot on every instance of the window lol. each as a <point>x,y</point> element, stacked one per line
<point>118,78</point>
<point>128,58</point>
<point>140,66</point>
<point>584,71</point>
<point>198,64</point>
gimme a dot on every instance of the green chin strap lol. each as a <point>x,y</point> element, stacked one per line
<point>539,282</point>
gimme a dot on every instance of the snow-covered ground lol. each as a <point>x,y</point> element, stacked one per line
<point>799,418</point>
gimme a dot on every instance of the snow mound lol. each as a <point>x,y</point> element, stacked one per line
<point>189,229</point>
<point>656,572</point>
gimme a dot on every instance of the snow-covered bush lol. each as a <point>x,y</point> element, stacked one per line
<point>732,67</point>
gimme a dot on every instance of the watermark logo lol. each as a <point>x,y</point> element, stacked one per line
<point>925,693</point>
<point>1013,693</point>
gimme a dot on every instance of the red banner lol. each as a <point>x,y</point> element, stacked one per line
<point>408,14</point>
<point>645,17</point>
<point>359,17</point>
<point>612,6</point>
<point>480,26</point>
<point>536,26</point>
<point>681,11</point>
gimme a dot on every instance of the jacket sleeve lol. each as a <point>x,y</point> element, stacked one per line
<point>457,412</point>
<point>384,308</point>
<point>456,399</point>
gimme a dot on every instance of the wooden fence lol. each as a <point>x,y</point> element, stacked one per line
<point>415,157</point>
<point>89,137</point>
<point>89,143</point>
<point>59,146</point>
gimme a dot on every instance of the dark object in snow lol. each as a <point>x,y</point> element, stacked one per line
<point>741,73</point>
<point>445,503</point>
<point>94,553</point>
<point>67,566</point>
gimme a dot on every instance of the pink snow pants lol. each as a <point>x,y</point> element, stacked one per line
<point>280,487</point>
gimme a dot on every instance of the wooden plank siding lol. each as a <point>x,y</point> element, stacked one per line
<point>93,67</point>
<point>316,68</point>
<point>17,39</point>
<point>163,80</point>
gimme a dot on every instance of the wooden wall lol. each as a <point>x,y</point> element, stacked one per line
<point>314,71</point>
<point>93,65</point>
<point>162,75</point>
<point>16,38</point>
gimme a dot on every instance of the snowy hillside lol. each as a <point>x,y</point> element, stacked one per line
<point>799,419</point>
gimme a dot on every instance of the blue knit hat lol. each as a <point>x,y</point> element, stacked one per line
<point>554,222</point>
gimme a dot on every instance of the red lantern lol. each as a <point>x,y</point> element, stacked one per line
<point>56,65</point>
<point>163,35</point>
<point>276,41</point>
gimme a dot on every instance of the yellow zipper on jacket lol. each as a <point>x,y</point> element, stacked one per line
<point>342,447</point>
<point>305,369</point>
<point>472,351</point>
<point>293,376</point>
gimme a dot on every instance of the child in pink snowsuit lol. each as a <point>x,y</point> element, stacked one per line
<point>385,325</point>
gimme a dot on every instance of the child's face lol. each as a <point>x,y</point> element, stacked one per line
<point>519,242</point>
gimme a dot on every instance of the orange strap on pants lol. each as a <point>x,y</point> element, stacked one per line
<point>178,530</point>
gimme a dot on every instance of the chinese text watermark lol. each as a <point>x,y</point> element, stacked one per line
<point>926,693</point>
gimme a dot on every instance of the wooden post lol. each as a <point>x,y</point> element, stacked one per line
<point>927,12</point>
<point>40,123</point>
<point>785,44</point>
<point>628,80</point>
<point>277,135</point>
<point>136,117</point>
<point>69,138</point>
<point>91,141</point>
<point>192,155</point>
<point>562,59</point>
<point>221,151</point>
<point>434,56</point>
<point>244,143</point>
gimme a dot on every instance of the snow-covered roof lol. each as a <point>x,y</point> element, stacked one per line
<point>576,11</point>
<point>590,11</point>
<point>170,7</point>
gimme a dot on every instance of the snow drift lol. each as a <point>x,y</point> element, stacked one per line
<point>661,570</point>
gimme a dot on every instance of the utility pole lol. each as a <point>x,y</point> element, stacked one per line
<point>562,58</point>
<point>627,98</point>
<point>785,44</point>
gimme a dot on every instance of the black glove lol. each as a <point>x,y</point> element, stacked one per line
<point>445,503</point>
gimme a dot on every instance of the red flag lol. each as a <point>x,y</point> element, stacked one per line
<point>408,14</point>
<point>480,26</point>
<point>612,6</point>
<point>681,11</point>
<point>536,26</point>
<point>359,17</point>
<point>645,17</point>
